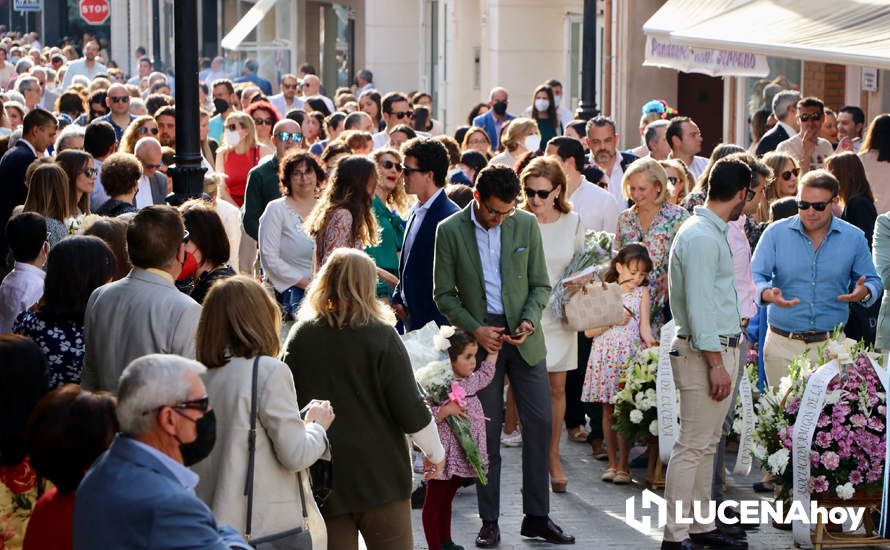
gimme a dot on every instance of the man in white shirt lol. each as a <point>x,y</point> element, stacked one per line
<point>850,124</point>
<point>216,71</point>
<point>87,66</point>
<point>153,183</point>
<point>395,110</point>
<point>684,139</point>
<point>312,87</point>
<point>602,141</point>
<point>364,81</point>
<point>23,286</point>
<point>596,206</point>
<point>807,147</point>
<point>655,136</point>
<point>286,100</point>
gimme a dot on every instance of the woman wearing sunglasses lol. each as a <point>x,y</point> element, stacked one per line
<point>264,118</point>
<point>144,126</point>
<point>238,155</point>
<point>78,166</point>
<point>562,235</point>
<point>782,184</point>
<point>390,204</point>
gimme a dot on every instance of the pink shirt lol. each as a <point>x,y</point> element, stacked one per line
<point>741,264</point>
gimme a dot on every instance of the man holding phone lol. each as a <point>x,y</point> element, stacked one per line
<point>490,279</point>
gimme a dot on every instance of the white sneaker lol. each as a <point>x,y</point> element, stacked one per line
<point>511,440</point>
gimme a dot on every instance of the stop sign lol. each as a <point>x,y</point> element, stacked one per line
<point>94,12</point>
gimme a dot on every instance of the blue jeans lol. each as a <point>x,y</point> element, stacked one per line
<point>290,301</point>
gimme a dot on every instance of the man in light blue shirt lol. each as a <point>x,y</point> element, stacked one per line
<point>804,267</point>
<point>704,353</point>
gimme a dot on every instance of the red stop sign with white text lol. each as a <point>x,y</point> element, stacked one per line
<point>94,12</point>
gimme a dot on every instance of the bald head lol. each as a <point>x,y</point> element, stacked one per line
<point>292,131</point>
<point>311,85</point>
<point>148,151</point>
<point>118,99</point>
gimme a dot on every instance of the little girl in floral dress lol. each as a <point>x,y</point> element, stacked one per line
<point>440,490</point>
<point>613,345</point>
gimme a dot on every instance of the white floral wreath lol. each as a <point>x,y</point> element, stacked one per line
<point>440,340</point>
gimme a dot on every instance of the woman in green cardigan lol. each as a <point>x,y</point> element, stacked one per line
<point>390,204</point>
<point>345,350</point>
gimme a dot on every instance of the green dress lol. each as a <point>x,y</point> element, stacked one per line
<point>547,130</point>
<point>386,254</point>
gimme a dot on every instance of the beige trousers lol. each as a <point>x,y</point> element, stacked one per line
<point>691,466</point>
<point>247,255</point>
<point>778,351</point>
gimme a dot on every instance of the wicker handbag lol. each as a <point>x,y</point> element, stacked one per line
<point>594,304</point>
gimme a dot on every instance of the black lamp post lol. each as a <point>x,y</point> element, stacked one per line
<point>188,173</point>
<point>587,105</point>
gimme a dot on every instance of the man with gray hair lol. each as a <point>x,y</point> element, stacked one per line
<point>29,87</point>
<point>71,137</point>
<point>785,111</point>
<point>166,425</point>
<point>364,81</point>
<point>656,140</point>
<point>153,183</point>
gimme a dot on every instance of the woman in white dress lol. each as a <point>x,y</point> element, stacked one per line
<point>544,188</point>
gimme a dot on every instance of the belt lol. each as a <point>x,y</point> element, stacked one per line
<point>728,341</point>
<point>810,337</point>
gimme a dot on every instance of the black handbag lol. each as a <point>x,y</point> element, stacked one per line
<point>292,539</point>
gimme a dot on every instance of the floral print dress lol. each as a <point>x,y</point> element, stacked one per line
<point>61,342</point>
<point>19,490</point>
<point>609,352</point>
<point>658,239</point>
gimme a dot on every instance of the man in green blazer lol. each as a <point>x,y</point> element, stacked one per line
<point>490,279</point>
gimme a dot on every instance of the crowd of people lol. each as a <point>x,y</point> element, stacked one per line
<point>143,341</point>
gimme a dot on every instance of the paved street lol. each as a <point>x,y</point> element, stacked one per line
<point>591,510</point>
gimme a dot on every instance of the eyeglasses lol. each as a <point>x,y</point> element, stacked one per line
<point>819,206</point>
<point>94,113</point>
<point>290,86</point>
<point>119,99</point>
<point>201,404</point>
<point>263,121</point>
<point>295,137</point>
<point>673,180</point>
<point>300,174</point>
<point>90,172</point>
<point>408,170</point>
<point>538,193</point>
<point>390,165</point>
<point>804,117</point>
<point>786,175</point>
<point>402,114</point>
<point>232,127</point>
<point>493,212</point>
<point>145,129</point>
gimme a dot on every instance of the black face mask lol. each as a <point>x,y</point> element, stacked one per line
<point>200,448</point>
<point>221,105</point>
<point>500,107</point>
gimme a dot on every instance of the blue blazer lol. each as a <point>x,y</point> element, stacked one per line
<point>13,190</point>
<point>416,268</point>
<point>771,140</point>
<point>487,122</point>
<point>129,499</point>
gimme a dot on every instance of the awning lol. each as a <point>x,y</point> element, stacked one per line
<point>248,22</point>
<point>846,32</point>
<point>663,51</point>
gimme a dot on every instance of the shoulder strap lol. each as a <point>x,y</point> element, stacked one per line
<point>251,448</point>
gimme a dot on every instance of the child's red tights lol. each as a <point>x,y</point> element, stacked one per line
<point>437,510</point>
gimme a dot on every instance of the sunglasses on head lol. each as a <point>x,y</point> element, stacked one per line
<point>819,206</point>
<point>540,193</point>
<point>402,114</point>
<point>145,129</point>
<point>119,99</point>
<point>90,172</point>
<point>786,175</point>
<point>804,117</point>
<point>295,137</point>
<point>263,121</point>
<point>390,165</point>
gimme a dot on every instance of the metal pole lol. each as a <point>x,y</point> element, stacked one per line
<point>155,33</point>
<point>587,105</point>
<point>188,173</point>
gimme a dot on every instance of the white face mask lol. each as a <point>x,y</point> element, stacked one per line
<point>541,104</point>
<point>556,99</point>
<point>532,142</point>
<point>232,138</point>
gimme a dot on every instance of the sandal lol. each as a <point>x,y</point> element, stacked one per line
<point>608,475</point>
<point>622,478</point>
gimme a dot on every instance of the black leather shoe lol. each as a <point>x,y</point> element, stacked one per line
<point>682,545</point>
<point>545,529</point>
<point>734,531</point>
<point>718,539</point>
<point>489,536</point>
<point>731,513</point>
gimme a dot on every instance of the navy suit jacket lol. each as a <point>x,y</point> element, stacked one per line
<point>416,268</point>
<point>13,190</point>
<point>771,140</point>
<point>130,499</point>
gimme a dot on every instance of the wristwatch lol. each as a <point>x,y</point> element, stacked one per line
<point>867,297</point>
<point>720,366</point>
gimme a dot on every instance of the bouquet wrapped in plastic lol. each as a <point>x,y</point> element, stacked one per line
<point>597,250</point>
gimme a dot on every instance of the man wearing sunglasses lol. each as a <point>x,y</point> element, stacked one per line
<point>808,268</point>
<point>118,103</point>
<point>166,424</point>
<point>395,110</point>
<point>807,147</point>
<point>491,280</point>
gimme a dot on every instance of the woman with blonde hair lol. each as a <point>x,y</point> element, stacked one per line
<point>476,139</point>
<point>653,221</point>
<point>390,204</point>
<point>143,126</point>
<point>48,196</point>
<point>520,136</point>
<point>367,377</point>
<point>237,339</point>
<point>562,235</point>
<point>680,179</point>
<point>783,182</point>
<point>239,154</point>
